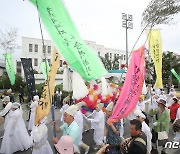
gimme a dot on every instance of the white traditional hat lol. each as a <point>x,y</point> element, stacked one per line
<point>142,115</point>
<point>9,91</point>
<point>100,105</point>
<point>137,112</point>
<point>6,99</point>
<point>36,98</point>
<point>110,106</point>
<point>16,105</point>
<point>162,101</point>
<point>72,110</point>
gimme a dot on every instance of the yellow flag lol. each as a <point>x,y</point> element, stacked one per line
<point>44,105</point>
<point>155,47</point>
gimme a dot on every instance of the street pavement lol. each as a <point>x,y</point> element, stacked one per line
<point>87,136</point>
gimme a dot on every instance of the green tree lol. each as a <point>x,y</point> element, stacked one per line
<point>8,40</point>
<point>160,12</point>
<point>169,61</point>
<point>150,71</point>
<point>110,64</point>
<point>5,82</point>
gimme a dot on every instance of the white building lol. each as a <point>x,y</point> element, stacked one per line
<point>2,69</point>
<point>33,48</point>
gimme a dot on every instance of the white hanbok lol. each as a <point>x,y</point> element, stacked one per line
<point>147,131</point>
<point>154,104</point>
<point>158,91</point>
<point>172,93</point>
<point>16,137</point>
<point>98,123</point>
<point>79,120</point>
<point>141,105</point>
<point>5,113</point>
<point>33,114</point>
<point>62,110</point>
<point>41,145</point>
<point>132,115</point>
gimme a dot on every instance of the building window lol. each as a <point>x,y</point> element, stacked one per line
<point>18,64</point>
<point>110,55</point>
<point>49,49</point>
<point>124,57</point>
<point>44,49</point>
<point>18,70</point>
<point>49,61</point>
<point>99,53</point>
<point>30,47</point>
<point>35,62</point>
<point>36,48</point>
<point>61,64</point>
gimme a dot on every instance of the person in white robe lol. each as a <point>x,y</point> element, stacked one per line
<point>141,103</point>
<point>154,104</point>
<point>140,106</point>
<point>33,106</point>
<point>98,123</point>
<point>158,91</point>
<point>163,95</point>
<point>39,135</point>
<point>172,92</point>
<point>145,128</point>
<point>16,137</point>
<point>170,96</point>
<point>64,108</point>
<point>5,112</point>
<point>79,120</point>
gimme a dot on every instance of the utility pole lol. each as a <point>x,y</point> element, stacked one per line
<point>128,24</point>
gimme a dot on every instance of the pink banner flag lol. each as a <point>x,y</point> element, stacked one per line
<point>132,87</point>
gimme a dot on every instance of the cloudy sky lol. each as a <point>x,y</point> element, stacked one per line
<point>96,20</point>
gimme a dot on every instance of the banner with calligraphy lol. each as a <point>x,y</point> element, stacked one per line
<point>175,74</point>
<point>44,105</point>
<point>155,47</point>
<point>45,68</point>
<point>132,87</point>
<point>79,56</point>
<point>29,75</point>
<point>10,68</point>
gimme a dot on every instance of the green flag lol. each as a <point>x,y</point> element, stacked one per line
<point>10,67</point>
<point>45,68</point>
<point>175,74</point>
<point>67,40</point>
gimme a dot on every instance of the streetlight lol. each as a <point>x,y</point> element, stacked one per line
<point>127,23</point>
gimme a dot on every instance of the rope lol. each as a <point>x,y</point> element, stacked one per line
<point>141,35</point>
<point>44,52</point>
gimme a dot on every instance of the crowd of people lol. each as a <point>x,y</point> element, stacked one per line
<point>155,114</point>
